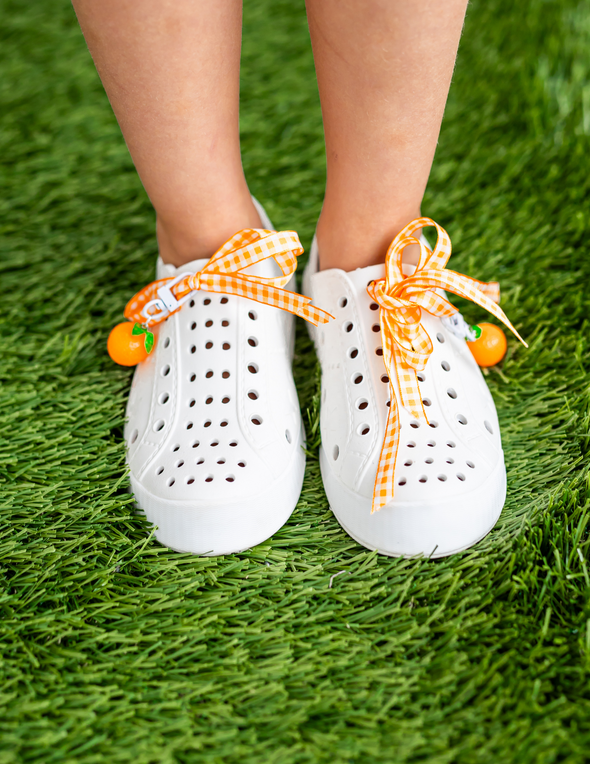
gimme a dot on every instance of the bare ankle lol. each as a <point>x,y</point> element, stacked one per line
<point>182,240</point>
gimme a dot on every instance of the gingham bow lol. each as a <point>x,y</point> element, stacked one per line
<point>406,344</point>
<point>224,272</point>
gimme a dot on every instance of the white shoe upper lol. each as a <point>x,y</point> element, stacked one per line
<point>214,430</point>
<point>449,476</point>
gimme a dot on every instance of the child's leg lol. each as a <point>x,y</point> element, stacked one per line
<point>384,68</point>
<point>171,71</point>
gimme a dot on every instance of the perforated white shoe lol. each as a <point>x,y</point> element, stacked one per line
<point>214,431</point>
<point>449,482</point>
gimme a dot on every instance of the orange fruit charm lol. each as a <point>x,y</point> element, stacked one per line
<point>129,344</point>
<point>490,347</point>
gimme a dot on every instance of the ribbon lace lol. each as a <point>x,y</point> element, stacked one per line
<point>406,344</point>
<point>224,273</point>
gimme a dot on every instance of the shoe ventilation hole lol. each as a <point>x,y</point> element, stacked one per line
<point>401,481</point>
<point>427,402</point>
<point>171,482</point>
<point>440,338</point>
<point>164,398</point>
<point>461,419</point>
<point>193,325</point>
<point>288,436</point>
<point>335,453</point>
<point>192,304</point>
<point>134,436</point>
<point>452,393</point>
<point>428,461</point>
<point>385,379</point>
<point>230,478</point>
<point>376,328</point>
<point>165,370</point>
<point>411,444</point>
<point>415,425</point>
<point>388,404</point>
<point>209,374</point>
<point>348,326</point>
<point>353,352</point>
<point>421,377</point>
<point>450,444</point>
<point>215,443</point>
<point>225,322</point>
<point>221,461</point>
<point>256,420</point>
<point>191,403</point>
<point>209,401</point>
<point>200,461</point>
<point>208,323</point>
<point>408,463</point>
<point>207,423</point>
<point>378,351</point>
<point>176,447</point>
<point>190,480</point>
<point>374,306</point>
<point>196,444</point>
<point>450,461</point>
<point>208,345</point>
<point>252,368</point>
<point>252,315</point>
<point>225,374</point>
<point>224,301</point>
<point>193,348</point>
<point>179,463</point>
<point>167,342</point>
<point>223,423</point>
<point>431,444</point>
<point>433,424</point>
<point>488,427</point>
<point>362,404</point>
<point>226,346</point>
<point>241,464</point>
<point>423,479</point>
<point>343,302</point>
<point>364,429</point>
<point>209,479</point>
<point>225,400</point>
<point>159,425</point>
<point>446,366</point>
<point>192,377</point>
<point>159,470</point>
<point>442,478</point>
<point>234,443</point>
<point>252,341</point>
<point>471,465</point>
<point>461,476</point>
<point>207,301</point>
<point>253,395</point>
<point>357,379</point>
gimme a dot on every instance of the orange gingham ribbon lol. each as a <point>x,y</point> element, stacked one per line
<point>224,273</point>
<point>406,344</point>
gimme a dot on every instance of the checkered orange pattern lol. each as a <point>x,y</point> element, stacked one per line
<point>225,273</point>
<point>406,344</point>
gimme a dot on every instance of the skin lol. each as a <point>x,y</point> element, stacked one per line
<point>384,69</point>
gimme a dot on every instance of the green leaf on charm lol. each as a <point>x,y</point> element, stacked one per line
<point>138,329</point>
<point>476,330</point>
<point>149,341</point>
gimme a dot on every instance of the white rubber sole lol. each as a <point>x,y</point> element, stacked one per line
<point>408,529</point>
<point>217,529</point>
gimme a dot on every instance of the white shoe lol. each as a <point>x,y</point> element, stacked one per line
<point>450,479</point>
<point>214,430</point>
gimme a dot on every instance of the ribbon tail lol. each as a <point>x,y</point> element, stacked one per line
<point>383,489</point>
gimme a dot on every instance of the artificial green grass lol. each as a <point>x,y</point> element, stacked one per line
<point>114,649</point>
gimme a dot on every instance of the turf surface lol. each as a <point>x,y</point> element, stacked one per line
<point>116,650</point>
